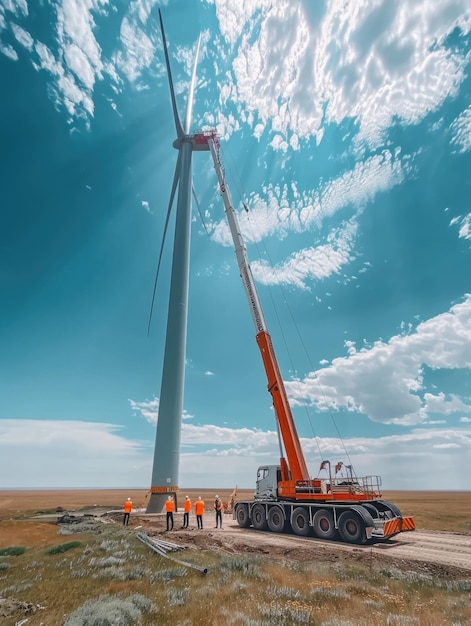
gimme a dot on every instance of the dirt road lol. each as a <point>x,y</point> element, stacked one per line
<point>432,547</point>
<point>428,550</point>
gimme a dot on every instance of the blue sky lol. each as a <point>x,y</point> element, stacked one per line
<point>345,129</point>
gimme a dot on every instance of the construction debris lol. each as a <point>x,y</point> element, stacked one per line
<point>161,547</point>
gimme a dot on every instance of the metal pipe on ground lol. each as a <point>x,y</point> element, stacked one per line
<point>156,546</point>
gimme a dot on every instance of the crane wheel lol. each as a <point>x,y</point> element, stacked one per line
<point>300,522</point>
<point>259,519</point>
<point>323,524</point>
<point>276,519</point>
<point>351,528</point>
<point>242,515</point>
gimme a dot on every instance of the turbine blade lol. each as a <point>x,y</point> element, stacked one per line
<point>189,106</point>
<point>176,178</point>
<point>178,126</point>
<point>198,207</point>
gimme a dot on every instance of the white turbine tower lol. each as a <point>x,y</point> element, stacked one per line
<point>167,442</point>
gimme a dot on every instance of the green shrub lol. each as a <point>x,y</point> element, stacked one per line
<point>13,551</point>
<point>64,547</point>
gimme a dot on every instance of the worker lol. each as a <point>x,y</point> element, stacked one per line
<point>217,506</point>
<point>170,508</point>
<point>199,510</point>
<point>127,511</point>
<point>186,512</point>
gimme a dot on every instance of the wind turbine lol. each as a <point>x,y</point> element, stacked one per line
<point>167,441</point>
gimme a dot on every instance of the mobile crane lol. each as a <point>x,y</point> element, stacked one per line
<point>286,496</point>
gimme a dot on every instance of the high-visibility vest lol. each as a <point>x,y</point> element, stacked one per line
<point>128,506</point>
<point>170,506</point>
<point>187,507</point>
<point>199,507</point>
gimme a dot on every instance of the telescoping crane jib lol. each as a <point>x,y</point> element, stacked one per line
<point>286,496</point>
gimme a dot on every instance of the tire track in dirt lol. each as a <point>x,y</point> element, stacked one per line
<point>439,548</point>
<point>431,547</point>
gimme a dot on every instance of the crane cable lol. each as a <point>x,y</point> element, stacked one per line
<point>256,237</point>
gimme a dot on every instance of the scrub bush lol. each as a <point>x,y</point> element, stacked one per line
<point>111,610</point>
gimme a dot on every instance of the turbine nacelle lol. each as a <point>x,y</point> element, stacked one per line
<point>199,141</point>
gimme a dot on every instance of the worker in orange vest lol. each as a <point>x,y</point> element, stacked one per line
<point>217,506</point>
<point>199,510</point>
<point>127,511</point>
<point>186,512</point>
<point>170,508</point>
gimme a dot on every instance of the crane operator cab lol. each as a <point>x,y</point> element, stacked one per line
<point>268,477</point>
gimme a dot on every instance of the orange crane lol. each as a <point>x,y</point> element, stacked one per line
<point>286,496</point>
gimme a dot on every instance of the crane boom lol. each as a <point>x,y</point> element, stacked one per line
<point>294,466</point>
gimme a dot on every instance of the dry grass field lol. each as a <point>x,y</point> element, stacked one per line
<point>433,510</point>
<point>99,574</point>
<point>448,511</point>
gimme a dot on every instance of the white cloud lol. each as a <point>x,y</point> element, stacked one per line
<point>79,64</point>
<point>464,224</point>
<point>146,206</point>
<point>46,453</point>
<point>67,93</point>
<point>23,37</point>
<point>138,51</point>
<point>71,454</point>
<point>377,62</point>
<point>17,7</point>
<point>283,209</point>
<point>75,26</point>
<point>149,409</point>
<point>311,263</point>
<point>9,51</point>
<point>382,61</point>
<point>385,381</point>
<point>461,131</point>
<point>440,404</point>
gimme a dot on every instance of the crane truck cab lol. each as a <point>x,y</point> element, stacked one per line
<point>268,477</point>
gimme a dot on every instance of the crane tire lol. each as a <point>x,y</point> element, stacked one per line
<point>323,524</point>
<point>242,515</point>
<point>258,516</point>
<point>300,522</point>
<point>351,528</point>
<point>276,519</point>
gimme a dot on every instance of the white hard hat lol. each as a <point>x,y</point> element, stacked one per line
<point>217,496</point>
<point>129,498</point>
